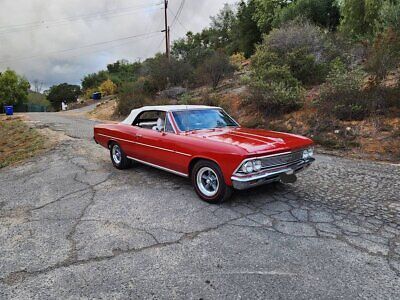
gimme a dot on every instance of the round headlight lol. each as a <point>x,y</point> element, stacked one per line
<point>310,152</point>
<point>257,165</point>
<point>247,167</point>
<point>305,154</point>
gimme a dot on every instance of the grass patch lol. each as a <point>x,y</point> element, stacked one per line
<point>18,141</point>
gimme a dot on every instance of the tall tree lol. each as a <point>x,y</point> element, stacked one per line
<point>389,16</point>
<point>324,13</point>
<point>266,11</point>
<point>63,92</point>
<point>94,80</point>
<point>193,49</point>
<point>215,68</point>
<point>249,33</point>
<point>13,88</point>
<point>219,33</point>
<point>359,16</point>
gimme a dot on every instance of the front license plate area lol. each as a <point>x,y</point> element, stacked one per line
<point>288,178</point>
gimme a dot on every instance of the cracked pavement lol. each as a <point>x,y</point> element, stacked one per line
<point>72,226</point>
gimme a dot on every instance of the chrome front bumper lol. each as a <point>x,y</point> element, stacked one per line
<point>270,175</point>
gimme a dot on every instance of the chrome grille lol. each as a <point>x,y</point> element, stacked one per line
<point>279,160</point>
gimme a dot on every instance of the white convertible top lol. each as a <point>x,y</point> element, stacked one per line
<point>135,112</point>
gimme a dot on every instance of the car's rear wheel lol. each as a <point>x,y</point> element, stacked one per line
<point>118,157</point>
<point>209,182</point>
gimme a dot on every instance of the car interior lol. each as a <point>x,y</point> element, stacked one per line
<point>154,120</point>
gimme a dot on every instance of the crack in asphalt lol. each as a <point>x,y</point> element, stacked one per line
<point>287,211</point>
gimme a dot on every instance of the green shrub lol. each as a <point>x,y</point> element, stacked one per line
<point>38,99</point>
<point>341,96</point>
<point>277,91</point>
<point>163,72</point>
<point>300,46</point>
<point>389,17</point>
<point>384,55</point>
<point>130,96</point>
<point>185,99</point>
<point>214,69</point>
<point>305,67</point>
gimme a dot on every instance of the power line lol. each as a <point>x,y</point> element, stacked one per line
<point>153,35</point>
<point>179,21</point>
<point>52,23</point>
<point>80,16</point>
<point>178,12</point>
<point>159,24</point>
<point>161,42</point>
<point>81,47</point>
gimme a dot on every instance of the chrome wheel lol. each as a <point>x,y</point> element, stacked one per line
<point>207,181</point>
<point>116,154</point>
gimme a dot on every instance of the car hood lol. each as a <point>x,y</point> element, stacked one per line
<point>255,141</point>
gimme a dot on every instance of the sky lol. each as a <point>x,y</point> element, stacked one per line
<point>56,41</point>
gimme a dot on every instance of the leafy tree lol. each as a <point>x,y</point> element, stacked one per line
<point>266,11</point>
<point>359,16</point>
<point>163,72</point>
<point>215,68</point>
<point>219,34</point>
<point>108,87</point>
<point>63,92</point>
<point>389,16</point>
<point>229,32</point>
<point>94,80</point>
<point>192,49</point>
<point>122,71</point>
<point>179,72</point>
<point>13,88</point>
<point>324,13</point>
<point>246,33</point>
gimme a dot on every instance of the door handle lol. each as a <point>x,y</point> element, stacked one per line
<point>139,135</point>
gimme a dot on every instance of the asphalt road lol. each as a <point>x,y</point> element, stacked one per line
<point>72,226</point>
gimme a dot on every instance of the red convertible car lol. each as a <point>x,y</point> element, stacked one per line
<point>205,144</point>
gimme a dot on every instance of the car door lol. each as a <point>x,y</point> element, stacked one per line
<point>128,139</point>
<point>175,157</point>
<point>147,139</point>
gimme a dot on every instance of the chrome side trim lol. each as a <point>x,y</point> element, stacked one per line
<point>164,149</point>
<point>146,145</point>
<point>159,167</point>
<point>111,137</point>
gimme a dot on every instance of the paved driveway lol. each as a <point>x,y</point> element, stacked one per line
<point>73,226</point>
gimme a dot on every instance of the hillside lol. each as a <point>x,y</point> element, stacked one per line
<point>376,138</point>
<point>316,68</point>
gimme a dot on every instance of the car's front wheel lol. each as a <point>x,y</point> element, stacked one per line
<point>118,157</point>
<point>209,182</point>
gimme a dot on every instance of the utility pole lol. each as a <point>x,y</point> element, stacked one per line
<point>169,44</point>
<point>166,29</point>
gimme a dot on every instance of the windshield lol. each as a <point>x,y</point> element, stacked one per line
<point>188,120</point>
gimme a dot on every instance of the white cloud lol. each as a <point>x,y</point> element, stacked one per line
<point>104,20</point>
